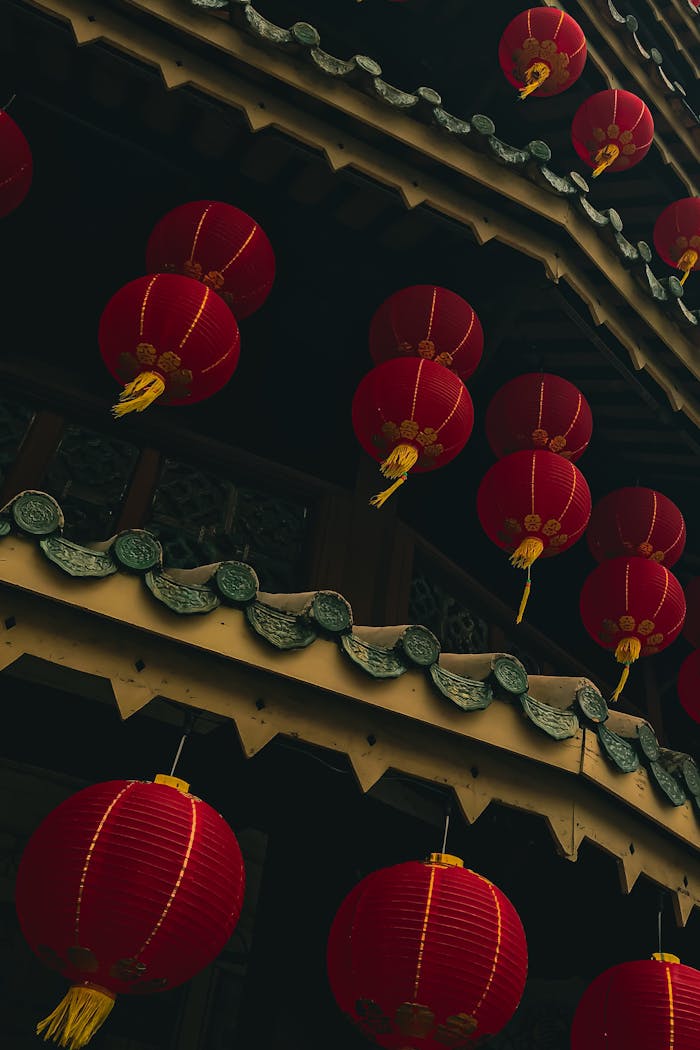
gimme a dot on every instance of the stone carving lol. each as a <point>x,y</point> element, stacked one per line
<point>510,675</point>
<point>466,693</point>
<point>279,628</point>
<point>560,725</point>
<point>668,784</point>
<point>37,513</point>
<point>619,751</point>
<point>77,560</point>
<point>379,663</point>
<point>592,704</point>
<point>181,598</point>
<point>236,582</point>
<point>420,646</point>
<point>137,550</point>
<point>331,612</point>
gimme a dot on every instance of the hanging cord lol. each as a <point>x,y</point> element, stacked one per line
<point>188,726</point>
<point>8,104</point>
<point>660,920</point>
<point>448,810</point>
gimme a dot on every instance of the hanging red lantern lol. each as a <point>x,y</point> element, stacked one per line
<point>167,337</point>
<point>688,685</point>
<point>636,521</point>
<point>429,322</point>
<point>612,129</point>
<point>634,607</point>
<point>427,955</point>
<point>533,504</point>
<point>677,235</point>
<point>126,888</point>
<point>411,414</point>
<point>691,628</point>
<point>648,1004</point>
<point>538,410</point>
<point>542,51</point>
<point>219,245</point>
<point>15,165</point>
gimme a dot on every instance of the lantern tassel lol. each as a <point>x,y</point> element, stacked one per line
<point>77,1017</point>
<point>380,499</point>
<point>627,651</point>
<point>687,262</point>
<point>139,394</point>
<point>527,552</point>
<point>605,157</point>
<point>399,461</point>
<point>535,76</point>
<point>524,599</point>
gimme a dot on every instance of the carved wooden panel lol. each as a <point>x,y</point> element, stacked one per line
<point>15,420</point>
<point>89,475</point>
<point>201,518</point>
<point>458,628</point>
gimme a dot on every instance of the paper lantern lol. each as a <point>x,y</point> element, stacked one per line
<point>15,165</point>
<point>677,235</point>
<point>634,607</point>
<point>167,337</point>
<point>126,888</point>
<point>411,414</point>
<point>219,245</point>
<point>636,521</point>
<point>539,411</point>
<point>612,130</point>
<point>649,1004</point>
<point>542,51</point>
<point>428,322</point>
<point>691,628</point>
<point>427,955</point>
<point>533,504</point>
<point>689,685</point>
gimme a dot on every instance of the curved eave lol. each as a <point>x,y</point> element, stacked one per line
<point>386,697</point>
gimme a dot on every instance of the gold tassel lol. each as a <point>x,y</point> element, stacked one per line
<point>627,651</point>
<point>139,394</point>
<point>527,552</point>
<point>524,599</point>
<point>380,499</point>
<point>605,157</point>
<point>535,77</point>
<point>399,461</point>
<point>77,1017</point>
<point>687,262</point>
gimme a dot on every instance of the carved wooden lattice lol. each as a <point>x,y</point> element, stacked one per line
<point>458,628</point>
<point>201,518</point>
<point>15,419</point>
<point>89,475</point>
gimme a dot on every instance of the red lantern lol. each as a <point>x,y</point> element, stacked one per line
<point>533,504</point>
<point>429,322</point>
<point>427,955</point>
<point>691,629</point>
<point>15,165</point>
<point>634,607</point>
<point>677,235</point>
<point>612,129</point>
<point>538,410</point>
<point>126,888</point>
<point>167,337</point>
<point>411,414</point>
<point>219,245</point>
<point>636,521</point>
<point>649,1004</point>
<point>689,685</point>
<point>542,51</point>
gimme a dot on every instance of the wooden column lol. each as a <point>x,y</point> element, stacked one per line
<point>35,454</point>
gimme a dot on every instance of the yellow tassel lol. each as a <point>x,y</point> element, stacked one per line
<point>399,461</point>
<point>687,262</point>
<point>139,394</point>
<point>380,499</point>
<point>627,651</point>
<point>77,1017</point>
<point>524,599</point>
<point>527,552</point>
<point>605,157</point>
<point>535,77</point>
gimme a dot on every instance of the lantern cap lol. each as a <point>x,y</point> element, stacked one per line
<point>445,860</point>
<point>173,782</point>
<point>665,957</point>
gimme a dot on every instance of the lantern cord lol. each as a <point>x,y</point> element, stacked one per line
<point>8,104</point>
<point>627,651</point>
<point>380,499</point>
<point>535,77</point>
<point>139,394</point>
<point>525,598</point>
<point>605,157</point>
<point>686,263</point>
<point>178,753</point>
<point>447,828</point>
<point>190,719</point>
